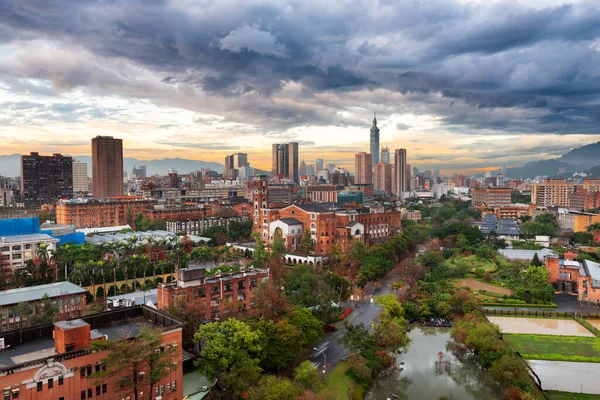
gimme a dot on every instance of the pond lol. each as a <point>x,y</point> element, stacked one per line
<point>540,326</point>
<point>568,376</point>
<point>423,379</point>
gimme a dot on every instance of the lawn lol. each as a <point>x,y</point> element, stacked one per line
<point>473,262</point>
<point>338,385</point>
<point>474,284</point>
<point>554,395</point>
<point>556,348</point>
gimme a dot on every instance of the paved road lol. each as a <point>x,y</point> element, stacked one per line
<point>366,313</point>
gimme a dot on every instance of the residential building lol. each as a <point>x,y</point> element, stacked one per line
<point>553,192</point>
<point>54,361</point>
<point>400,185</point>
<point>219,294</point>
<point>67,298</point>
<point>505,228</point>
<point>285,160</point>
<point>374,142</point>
<point>107,166</point>
<point>322,193</point>
<point>413,215</point>
<point>383,177</point>
<point>91,212</point>
<point>363,168</point>
<point>16,250</point>
<point>491,197</point>
<point>80,177</point>
<point>582,200</point>
<point>173,179</point>
<point>197,226</point>
<point>45,179</point>
<point>574,221</point>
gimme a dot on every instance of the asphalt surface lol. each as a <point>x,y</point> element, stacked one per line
<point>365,313</point>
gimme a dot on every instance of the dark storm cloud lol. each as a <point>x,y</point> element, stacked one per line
<point>505,67</point>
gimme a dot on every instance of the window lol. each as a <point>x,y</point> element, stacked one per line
<point>97,390</point>
<point>6,394</point>
<point>40,386</point>
<point>50,383</point>
<point>98,365</point>
<point>82,372</point>
<point>83,395</point>
<point>104,388</point>
<point>168,387</point>
<point>89,393</point>
<point>61,380</point>
<point>174,386</point>
<point>15,393</point>
<point>162,389</point>
<point>89,369</point>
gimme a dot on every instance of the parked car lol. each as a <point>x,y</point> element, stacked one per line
<point>330,328</point>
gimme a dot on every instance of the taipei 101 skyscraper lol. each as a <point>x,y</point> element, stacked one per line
<point>375,141</point>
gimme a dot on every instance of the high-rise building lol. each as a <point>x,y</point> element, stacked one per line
<point>400,183</point>
<point>174,179</point>
<point>330,167</point>
<point>285,160</point>
<point>6,192</point>
<point>80,177</point>
<point>319,165</point>
<point>374,141</point>
<point>310,170</point>
<point>229,171</point>
<point>240,160</point>
<point>302,168</point>
<point>46,179</point>
<point>107,166</point>
<point>363,168</point>
<point>383,177</point>
<point>385,155</point>
<point>140,171</point>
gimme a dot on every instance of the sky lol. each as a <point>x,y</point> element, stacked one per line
<point>462,85</point>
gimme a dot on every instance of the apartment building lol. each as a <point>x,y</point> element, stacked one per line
<point>90,213</point>
<point>491,197</point>
<point>582,200</point>
<point>45,179</point>
<point>197,226</point>
<point>218,293</point>
<point>67,298</point>
<point>54,361</point>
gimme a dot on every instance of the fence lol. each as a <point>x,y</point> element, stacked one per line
<point>543,314</point>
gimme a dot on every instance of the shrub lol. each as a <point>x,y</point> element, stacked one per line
<point>359,392</point>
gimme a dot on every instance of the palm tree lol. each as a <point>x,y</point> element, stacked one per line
<point>91,270</point>
<point>103,268</point>
<point>79,273</point>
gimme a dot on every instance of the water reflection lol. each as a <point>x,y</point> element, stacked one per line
<point>424,379</point>
<point>540,326</point>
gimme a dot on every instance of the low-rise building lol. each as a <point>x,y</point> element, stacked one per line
<point>217,293</point>
<point>413,215</point>
<point>197,226</point>
<point>16,250</point>
<point>91,213</point>
<point>54,361</point>
<point>491,197</point>
<point>67,298</point>
<point>572,276</point>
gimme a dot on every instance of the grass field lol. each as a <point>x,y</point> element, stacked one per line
<point>554,395</point>
<point>556,348</point>
<point>474,284</point>
<point>338,384</point>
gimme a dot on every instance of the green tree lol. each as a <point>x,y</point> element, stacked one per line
<point>125,359</point>
<point>307,376</point>
<point>307,244</point>
<point>230,350</point>
<point>536,260</point>
<point>310,327</point>
<point>274,388</point>
<point>281,344</point>
<point>278,247</point>
<point>358,251</point>
<point>260,256</point>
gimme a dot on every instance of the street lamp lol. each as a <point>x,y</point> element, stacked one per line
<point>324,359</point>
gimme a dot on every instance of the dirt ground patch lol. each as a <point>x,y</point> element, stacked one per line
<point>476,285</point>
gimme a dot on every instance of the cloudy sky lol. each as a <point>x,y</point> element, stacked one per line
<point>463,85</point>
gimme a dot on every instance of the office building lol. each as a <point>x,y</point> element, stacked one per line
<point>319,165</point>
<point>400,184</point>
<point>383,177</point>
<point>285,160</point>
<point>54,361</point>
<point>107,166</point>
<point>303,169</point>
<point>139,171</point>
<point>310,170</point>
<point>363,166</point>
<point>385,155</point>
<point>80,177</point>
<point>45,179</point>
<point>6,192</point>
<point>374,141</point>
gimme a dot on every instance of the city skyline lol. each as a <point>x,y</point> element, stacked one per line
<point>475,95</point>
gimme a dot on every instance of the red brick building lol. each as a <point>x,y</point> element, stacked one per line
<point>218,294</point>
<point>54,362</point>
<point>67,298</point>
<point>572,276</point>
<point>582,200</point>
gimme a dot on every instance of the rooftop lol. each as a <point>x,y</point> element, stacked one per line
<point>34,237</point>
<point>34,293</point>
<point>290,221</point>
<point>515,254</point>
<point>104,229</point>
<point>142,237</point>
<point>593,269</point>
<point>35,344</point>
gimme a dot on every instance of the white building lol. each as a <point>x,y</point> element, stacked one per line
<point>80,177</point>
<point>15,251</point>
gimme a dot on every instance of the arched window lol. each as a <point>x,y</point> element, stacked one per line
<point>313,226</point>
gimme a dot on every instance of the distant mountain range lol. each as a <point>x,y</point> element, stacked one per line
<point>11,165</point>
<point>586,158</point>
